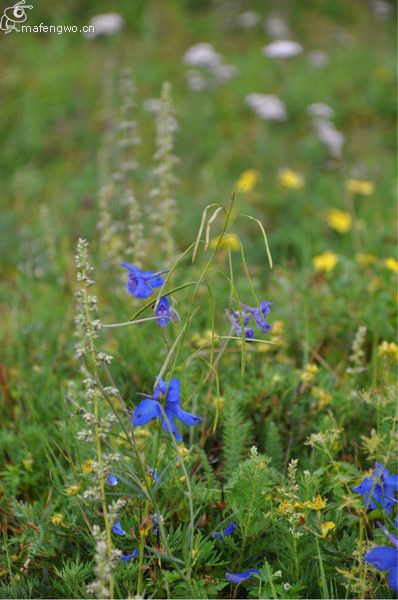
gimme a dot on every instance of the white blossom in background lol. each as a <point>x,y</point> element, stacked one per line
<point>276,27</point>
<point>381,8</point>
<point>249,19</point>
<point>282,49</point>
<point>201,55</point>
<point>106,24</point>
<point>209,68</point>
<point>329,136</point>
<point>317,58</point>
<point>320,110</point>
<point>152,105</point>
<point>267,107</point>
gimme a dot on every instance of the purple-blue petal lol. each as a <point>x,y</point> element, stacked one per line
<point>238,577</point>
<point>186,417</point>
<point>118,529</point>
<point>162,312</point>
<point>382,557</point>
<point>145,412</point>
<point>112,479</point>
<point>392,578</point>
<point>127,557</point>
<point>141,289</point>
<point>218,535</point>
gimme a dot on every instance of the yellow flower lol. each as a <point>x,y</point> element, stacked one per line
<point>388,349</point>
<point>72,490</point>
<point>317,504</point>
<point>88,466</point>
<point>285,507</point>
<point>323,396</point>
<point>228,240</point>
<point>309,373</point>
<point>327,527</point>
<point>57,519</point>
<point>339,220</point>
<point>365,259</point>
<point>247,180</point>
<point>391,263</point>
<point>289,179</point>
<point>359,186</point>
<point>182,450</point>
<point>325,262</point>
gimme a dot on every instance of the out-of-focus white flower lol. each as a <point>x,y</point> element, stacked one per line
<point>267,106</point>
<point>201,55</point>
<point>381,8</point>
<point>282,49</point>
<point>196,82</point>
<point>151,105</point>
<point>320,110</point>
<point>106,24</point>
<point>317,58</point>
<point>223,72</point>
<point>249,19</point>
<point>330,136</point>
<point>276,27</point>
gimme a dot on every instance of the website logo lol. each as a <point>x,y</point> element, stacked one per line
<point>14,16</point>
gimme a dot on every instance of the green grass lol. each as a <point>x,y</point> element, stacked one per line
<point>52,128</point>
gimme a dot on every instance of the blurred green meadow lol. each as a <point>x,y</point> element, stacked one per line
<point>330,372</point>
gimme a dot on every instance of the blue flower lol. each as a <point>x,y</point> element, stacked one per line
<point>260,315</point>
<point>152,473</point>
<point>140,283</point>
<point>379,490</point>
<point>238,577</point>
<point>112,479</point>
<point>127,557</point>
<point>162,312</point>
<point>118,529</point>
<point>385,558</point>
<point>218,535</point>
<point>235,322</point>
<point>150,408</point>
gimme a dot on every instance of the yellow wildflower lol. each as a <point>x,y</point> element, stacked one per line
<point>339,220</point>
<point>285,507</point>
<point>327,527</point>
<point>182,450</point>
<point>72,490</point>
<point>317,504</point>
<point>365,259</point>
<point>247,180</point>
<point>88,466</point>
<point>309,373</point>
<point>57,519</point>
<point>325,262</point>
<point>323,396</point>
<point>359,186</point>
<point>391,263</point>
<point>289,179</point>
<point>388,349</point>
<point>228,240</point>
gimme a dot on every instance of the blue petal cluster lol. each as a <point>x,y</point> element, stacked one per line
<point>218,535</point>
<point>385,558</point>
<point>127,557</point>
<point>259,315</point>
<point>112,479</point>
<point>118,529</point>
<point>239,577</point>
<point>141,283</point>
<point>380,489</point>
<point>151,408</point>
<point>162,312</point>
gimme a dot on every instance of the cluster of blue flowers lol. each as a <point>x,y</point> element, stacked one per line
<point>379,491</point>
<point>259,316</point>
<point>141,284</point>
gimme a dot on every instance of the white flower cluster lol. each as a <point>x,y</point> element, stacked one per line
<point>209,70</point>
<point>267,106</point>
<point>282,49</point>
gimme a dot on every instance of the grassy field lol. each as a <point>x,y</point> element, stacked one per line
<point>93,503</point>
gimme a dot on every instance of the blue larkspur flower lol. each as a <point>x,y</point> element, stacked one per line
<point>151,408</point>
<point>118,529</point>
<point>162,312</point>
<point>235,322</point>
<point>379,490</point>
<point>238,577</point>
<point>218,535</point>
<point>112,479</point>
<point>260,315</point>
<point>385,558</point>
<point>127,557</point>
<point>141,283</point>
